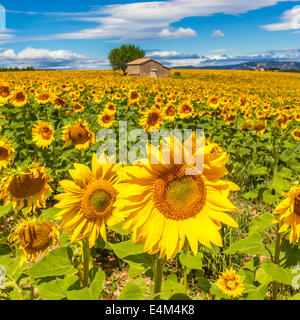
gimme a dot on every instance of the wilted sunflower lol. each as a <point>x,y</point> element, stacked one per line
<point>296,134</point>
<point>19,98</point>
<point>88,204</point>
<point>165,206</point>
<point>230,283</point>
<point>151,119</point>
<point>289,213</point>
<point>30,184</point>
<point>106,119</point>
<point>42,134</point>
<point>80,134</point>
<point>34,238</point>
<point>6,153</point>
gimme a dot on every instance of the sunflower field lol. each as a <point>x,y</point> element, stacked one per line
<point>76,227</point>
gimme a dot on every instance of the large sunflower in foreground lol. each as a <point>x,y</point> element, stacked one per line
<point>34,238</point>
<point>88,204</point>
<point>6,153</point>
<point>29,185</point>
<point>42,134</point>
<point>289,214</point>
<point>230,283</point>
<point>80,134</point>
<point>164,206</point>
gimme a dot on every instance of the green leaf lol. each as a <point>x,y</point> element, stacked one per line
<point>249,245</point>
<point>279,183</point>
<point>204,284</point>
<point>180,296</point>
<point>191,262</point>
<point>134,290</point>
<point>171,286</point>
<point>251,195</point>
<point>260,223</point>
<point>281,275</point>
<point>52,290</point>
<point>118,228</point>
<point>126,248</point>
<point>259,171</point>
<point>258,293</point>
<point>269,198</point>
<point>56,263</point>
<point>4,210</point>
<point>50,212</point>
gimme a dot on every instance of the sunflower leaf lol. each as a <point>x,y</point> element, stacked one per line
<point>134,290</point>
<point>191,262</point>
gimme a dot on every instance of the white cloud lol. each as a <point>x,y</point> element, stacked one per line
<point>47,59</point>
<point>152,20</point>
<point>217,34</point>
<point>290,20</point>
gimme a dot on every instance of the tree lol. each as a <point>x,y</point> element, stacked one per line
<point>119,57</point>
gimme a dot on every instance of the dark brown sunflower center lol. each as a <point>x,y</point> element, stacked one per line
<point>3,153</point>
<point>179,197</point>
<point>79,134</point>
<point>98,200</point>
<point>170,111</point>
<point>297,206</point>
<point>36,237</point>
<point>152,119</point>
<point>259,125</point>
<point>106,118</point>
<point>4,91</point>
<point>296,133</point>
<point>20,96</point>
<point>186,109</point>
<point>134,95</point>
<point>44,96</point>
<point>46,133</point>
<point>26,185</point>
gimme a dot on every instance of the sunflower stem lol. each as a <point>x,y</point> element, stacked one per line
<point>157,275</point>
<point>275,284</point>
<point>86,262</point>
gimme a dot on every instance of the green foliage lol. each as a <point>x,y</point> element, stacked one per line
<point>119,57</point>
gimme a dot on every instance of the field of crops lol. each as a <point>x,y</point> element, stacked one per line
<point>73,227</point>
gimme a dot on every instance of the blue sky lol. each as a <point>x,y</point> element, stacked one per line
<point>79,34</point>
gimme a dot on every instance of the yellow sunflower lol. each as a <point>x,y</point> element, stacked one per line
<point>230,283</point>
<point>19,98</point>
<point>34,238</point>
<point>30,184</point>
<point>42,134</point>
<point>260,126</point>
<point>296,134</point>
<point>151,119</point>
<point>88,204</point>
<point>106,119</point>
<point>165,206</point>
<point>185,110</point>
<point>4,94</point>
<point>43,97</point>
<point>169,112</point>
<point>58,103</point>
<point>289,213</point>
<point>6,153</point>
<point>80,134</point>
<point>111,108</point>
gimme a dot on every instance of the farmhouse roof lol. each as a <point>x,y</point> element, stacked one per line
<point>142,61</point>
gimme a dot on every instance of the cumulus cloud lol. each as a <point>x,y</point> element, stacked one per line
<point>152,20</point>
<point>290,20</point>
<point>47,59</point>
<point>217,34</point>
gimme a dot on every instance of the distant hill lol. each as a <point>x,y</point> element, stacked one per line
<point>252,65</point>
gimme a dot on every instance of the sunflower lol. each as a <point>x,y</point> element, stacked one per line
<point>169,112</point>
<point>43,97</point>
<point>230,283</point>
<point>79,133</point>
<point>34,238</point>
<point>133,97</point>
<point>42,134</point>
<point>165,206</point>
<point>6,153</point>
<point>296,134</point>
<point>88,204</point>
<point>260,126</point>
<point>248,124</point>
<point>111,107</point>
<point>4,94</point>
<point>289,213</point>
<point>106,119</point>
<point>151,119</point>
<point>19,98</point>
<point>58,103</point>
<point>30,184</point>
<point>186,110</point>
<point>77,106</point>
